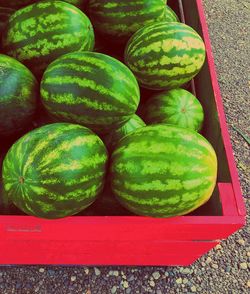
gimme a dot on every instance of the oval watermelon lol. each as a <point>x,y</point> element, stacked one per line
<point>112,138</point>
<point>39,33</point>
<point>177,106</point>
<point>163,171</point>
<point>165,55</point>
<point>118,20</point>
<point>18,96</point>
<point>91,89</point>
<point>55,171</point>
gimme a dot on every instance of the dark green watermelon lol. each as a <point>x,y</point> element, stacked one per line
<point>18,96</point>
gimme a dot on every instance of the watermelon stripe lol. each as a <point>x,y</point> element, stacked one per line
<point>121,20</point>
<point>43,31</point>
<point>153,38</point>
<point>84,83</point>
<point>53,188</point>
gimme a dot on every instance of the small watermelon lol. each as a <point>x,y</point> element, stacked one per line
<point>163,171</point>
<point>39,33</point>
<point>55,171</point>
<point>112,138</point>
<point>118,20</point>
<point>177,106</point>
<point>18,96</point>
<point>165,55</point>
<point>91,89</point>
<point>171,16</point>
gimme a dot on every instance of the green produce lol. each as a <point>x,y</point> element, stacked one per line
<point>112,138</point>
<point>39,33</point>
<point>163,171</point>
<point>18,96</point>
<point>120,19</point>
<point>171,15</point>
<point>55,171</point>
<point>165,55</point>
<point>91,89</point>
<point>177,107</point>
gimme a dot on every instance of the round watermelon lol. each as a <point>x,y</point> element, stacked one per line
<point>113,137</point>
<point>171,16</point>
<point>118,20</point>
<point>39,33</point>
<point>165,55</point>
<point>91,89</point>
<point>163,171</point>
<point>55,171</point>
<point>18,96</point>
<point>177,106</point>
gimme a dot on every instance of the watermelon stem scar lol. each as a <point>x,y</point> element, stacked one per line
<point>21,180</point>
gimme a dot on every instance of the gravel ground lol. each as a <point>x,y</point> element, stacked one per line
<point>225,268</point>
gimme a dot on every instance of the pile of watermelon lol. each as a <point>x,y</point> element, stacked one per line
<point>94,97</point>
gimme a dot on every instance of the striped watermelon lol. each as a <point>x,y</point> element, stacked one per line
<point>171,16</point>
<point>163,171</point>
<point>55,171</point>
<point>165,55</point>
<point>112,138</point>
<point>177,106</point>
<point>41,32</point>
<point>91,89</point>
<point>5,14</point>
<point>18,96</point>
<point>120,19</point>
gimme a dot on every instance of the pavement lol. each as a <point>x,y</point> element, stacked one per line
<point>225,269</point>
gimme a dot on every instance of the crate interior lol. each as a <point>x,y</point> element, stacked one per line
<point>106,204</point>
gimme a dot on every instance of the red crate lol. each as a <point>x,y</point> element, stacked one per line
<point>134,240</point>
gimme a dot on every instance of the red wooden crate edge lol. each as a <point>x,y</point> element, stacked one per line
<point>219,104</point>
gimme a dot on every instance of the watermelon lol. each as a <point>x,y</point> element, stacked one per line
<point>55,171</point>
<point>171,16</point>
<point>165,55</point>
<point>91,89</point>
<point>112,138</point>
<point>41,32</point>
<point>5,14</point>
<point>118,20</point>
<point>18,96</point>
<point>163,171</point>
<point>177,106</point>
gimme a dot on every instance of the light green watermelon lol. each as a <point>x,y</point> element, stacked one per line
<point>39,33</point>
<point>165,55</point>
<point>55,171</point>
<point>91,89</point>
<point>163,171</point>
<point>177,107</point>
